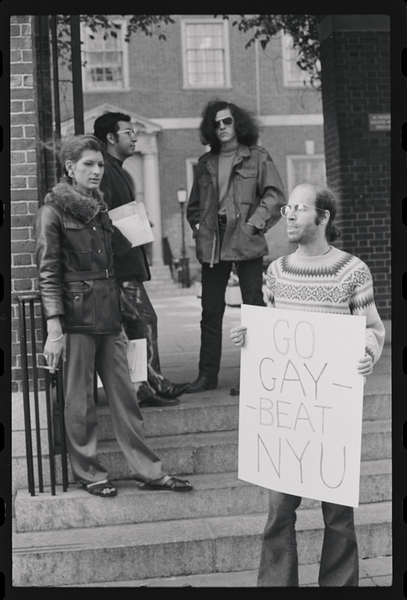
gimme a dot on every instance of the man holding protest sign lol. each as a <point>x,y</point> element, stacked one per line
<point>319,278</point>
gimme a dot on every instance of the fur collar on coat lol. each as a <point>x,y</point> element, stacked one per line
<point>81,206</point>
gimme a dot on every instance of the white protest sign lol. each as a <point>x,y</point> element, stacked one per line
<point>301,403</point>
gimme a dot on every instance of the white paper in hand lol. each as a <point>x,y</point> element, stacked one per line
<point>131,219</point>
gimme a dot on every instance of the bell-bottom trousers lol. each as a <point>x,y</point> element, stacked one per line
<point>108,353</point>
<point>339,564</point>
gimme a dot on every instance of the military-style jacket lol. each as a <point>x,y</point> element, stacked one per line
<point>257,193</point>
<point>75,262</point>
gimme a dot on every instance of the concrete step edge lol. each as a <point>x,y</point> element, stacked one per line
<point>168,532</point>
<point>214,495</point>
<point>211,416</point>
<point>168,548</point>
<point>212,480</point>
<point>226,437</point>
<point>372,572</point>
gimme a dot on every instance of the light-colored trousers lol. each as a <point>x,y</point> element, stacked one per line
<point>108,353</point>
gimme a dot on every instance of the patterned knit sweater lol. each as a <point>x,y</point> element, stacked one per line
<point>335,282</point>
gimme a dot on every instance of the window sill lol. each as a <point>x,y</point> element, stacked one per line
<point>207,87</point>
<point>105,90</point>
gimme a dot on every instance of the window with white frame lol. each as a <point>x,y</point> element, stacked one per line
<point>205,53</point>
<point>105,60</point>
<point>293,76</point>
<point>305,169</point>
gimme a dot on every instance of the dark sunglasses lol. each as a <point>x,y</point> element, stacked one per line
<point>225,121</point>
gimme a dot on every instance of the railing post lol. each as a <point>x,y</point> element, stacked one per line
<point>50,423</point>
<point>50,380</point>
<point>26,397</point>
<point>61,404</point>
<point>36,404</point>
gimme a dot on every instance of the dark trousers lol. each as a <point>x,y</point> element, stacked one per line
<point>108,354</point>
<point>142,323</point>
<point>214,282</point>
<point>339,564</point>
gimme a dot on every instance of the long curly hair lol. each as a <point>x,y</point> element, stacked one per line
<point>247,130</point>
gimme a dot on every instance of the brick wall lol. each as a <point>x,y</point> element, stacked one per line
<point>356,83</point>
<point>23,158</point>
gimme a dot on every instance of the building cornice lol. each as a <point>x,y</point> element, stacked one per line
<point>264,121</point>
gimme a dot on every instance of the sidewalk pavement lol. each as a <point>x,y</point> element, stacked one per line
<point>373,572</point>
<point>179,342</point>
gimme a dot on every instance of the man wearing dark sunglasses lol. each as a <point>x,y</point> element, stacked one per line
<point>236,197</point>
<point>131,266</point>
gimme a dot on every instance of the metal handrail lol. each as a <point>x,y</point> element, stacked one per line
<point>52,382</point>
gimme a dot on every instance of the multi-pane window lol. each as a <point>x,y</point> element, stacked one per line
<point>105,60</point>
<point>305,169</point>
<point>293,76</point>
<point>205,53</point>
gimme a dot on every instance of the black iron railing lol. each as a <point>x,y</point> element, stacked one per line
<point>53,395</point>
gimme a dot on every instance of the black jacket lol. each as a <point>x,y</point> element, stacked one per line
<point>75,262</point>
<point>117,188</point>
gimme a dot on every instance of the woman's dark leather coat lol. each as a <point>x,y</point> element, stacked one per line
<point>75,262</point>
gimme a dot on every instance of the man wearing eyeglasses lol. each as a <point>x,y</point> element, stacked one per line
<point>321,278</point>
<point>130,263</point>
<point>235,198</point>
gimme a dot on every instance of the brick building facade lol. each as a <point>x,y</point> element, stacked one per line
<point>356,92</point>
<point>23,172</point>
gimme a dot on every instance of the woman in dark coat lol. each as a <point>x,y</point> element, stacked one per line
<point>84,327</point>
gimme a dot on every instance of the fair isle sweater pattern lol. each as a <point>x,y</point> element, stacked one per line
<point>336,282</point>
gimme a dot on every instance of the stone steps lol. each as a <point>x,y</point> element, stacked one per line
<point>217,452</point>
<point>162,283</point>
<point>214,495</point>
<point>373,572</point>
<point>210,411</point>
<point>75,539</point>
<point>176,547</point>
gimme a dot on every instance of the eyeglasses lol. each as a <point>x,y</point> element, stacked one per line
<point>129,132</point>
<point>225,121</point>
<point>297,208</point>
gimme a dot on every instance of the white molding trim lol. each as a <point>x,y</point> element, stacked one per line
<point>155,125</point>
<point>143,124</point>
<point>178,123</point>
<point>265,121</point>
<point>284,120</point>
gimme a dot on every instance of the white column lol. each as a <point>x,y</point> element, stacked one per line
<point>152,202</point>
